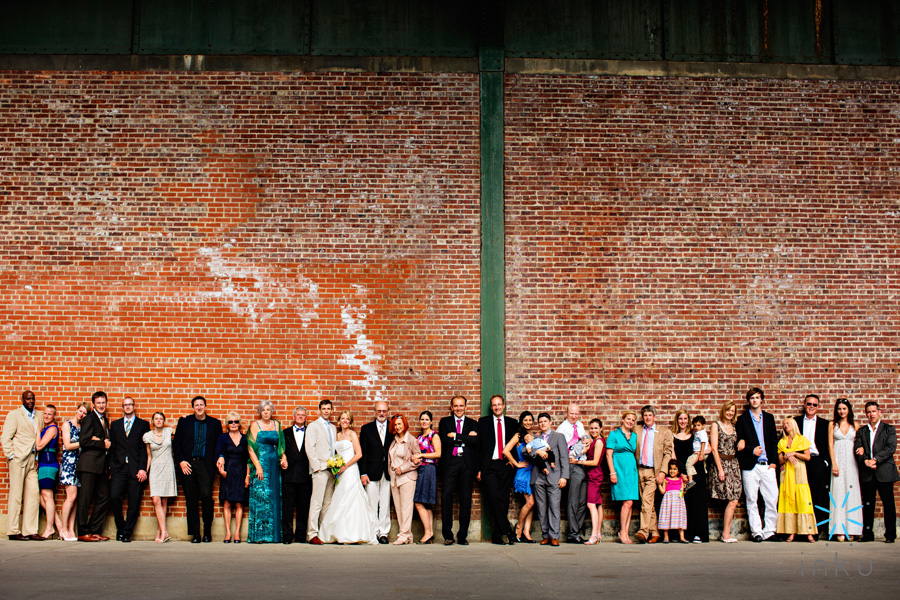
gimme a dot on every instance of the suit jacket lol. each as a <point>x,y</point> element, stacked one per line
<point>745,431</point>
<point>183,442</point>
<point>298,463</point>
<point>470,451</point>
<point>374,461</point>
<point>821,438</point>
<point>131,446</point>
<point>92,456</point>
<point>400,455</point>
<point>20,433</point>
<point>663,448</point>
<point>559,445</point>
<point>884,448</point>
<point>487,438</point>
<point>319,446</point>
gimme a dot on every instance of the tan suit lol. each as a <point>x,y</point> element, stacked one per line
<point>403,486</point>
<point>319,443</point>
<point>19,436</point>
<point>663,452</point>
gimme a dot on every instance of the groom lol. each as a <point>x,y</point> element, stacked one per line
<point>319,448</point>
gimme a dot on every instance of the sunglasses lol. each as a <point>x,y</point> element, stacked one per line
<point>811,404</point>
<point>234,422</point>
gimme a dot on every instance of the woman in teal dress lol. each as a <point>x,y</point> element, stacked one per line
<point>265,442</point>
<point>621,446</point>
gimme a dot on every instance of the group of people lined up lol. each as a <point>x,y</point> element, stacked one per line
<point>322,482</point>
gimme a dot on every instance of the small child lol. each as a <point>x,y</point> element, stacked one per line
<point>579,449</point>
<point>532,447</point>
<point>700,448</point>
<point>672,512</point>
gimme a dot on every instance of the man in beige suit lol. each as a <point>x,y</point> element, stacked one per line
<point>20,432</point>
<point>655,448</point>
<point>320,436</point>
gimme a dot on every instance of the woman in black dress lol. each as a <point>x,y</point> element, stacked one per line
<point>231,449</point>
<point>696,499</point>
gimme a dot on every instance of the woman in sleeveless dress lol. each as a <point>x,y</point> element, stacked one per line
<point>725,479</point>
<point>231,448</point>
<point>48,470</point>
<point>522,479</point>
<point>67,476</point>
<point>265,444</point>
<point>161,471</point>
<point>594,465</point>
<point>696,497</point>
<point>846,513</point>
<point>426,484</point>
<point>350,519</point>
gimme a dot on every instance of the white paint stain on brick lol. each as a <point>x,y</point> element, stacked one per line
<point>361,353</point>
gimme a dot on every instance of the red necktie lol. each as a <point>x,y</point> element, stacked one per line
<point>499,438</point>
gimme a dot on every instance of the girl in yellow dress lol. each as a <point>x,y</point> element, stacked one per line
<point>795,507</point>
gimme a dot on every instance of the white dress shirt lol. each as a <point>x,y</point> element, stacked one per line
<point>809,432</point>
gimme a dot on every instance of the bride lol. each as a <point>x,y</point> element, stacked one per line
<point>350,519</point>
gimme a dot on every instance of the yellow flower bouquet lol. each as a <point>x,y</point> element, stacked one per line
<point>335,463</point>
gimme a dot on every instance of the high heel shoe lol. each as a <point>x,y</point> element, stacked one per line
<point>401,541</point>
<point>428,541</point>
<point>591,541</point>
<point>525,540</point>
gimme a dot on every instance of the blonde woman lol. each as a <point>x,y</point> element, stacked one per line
<point>725,479</point>
<point>160,470</point>
<point>795,507</point>
<point>68,478</point>
<point>232,464</point>
<point>621,456</point>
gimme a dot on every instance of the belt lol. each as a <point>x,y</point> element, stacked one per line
<point>726,456</point>
<point>645,467</point>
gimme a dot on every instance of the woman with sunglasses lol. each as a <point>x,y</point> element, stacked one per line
<point>231,448</point>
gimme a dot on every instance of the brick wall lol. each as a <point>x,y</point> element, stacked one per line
<point>676,241</point>
<point>241,236</point>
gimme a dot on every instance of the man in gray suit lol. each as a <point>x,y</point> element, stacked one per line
<point>875,445</point>
<point>546,487</point>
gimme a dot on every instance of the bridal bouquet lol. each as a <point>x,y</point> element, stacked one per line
<point>335,463</point>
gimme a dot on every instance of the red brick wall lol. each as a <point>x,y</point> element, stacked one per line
<point>241,236</point>
<point>676,241</point>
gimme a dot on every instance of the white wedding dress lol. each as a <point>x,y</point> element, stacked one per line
<point>350,519</point>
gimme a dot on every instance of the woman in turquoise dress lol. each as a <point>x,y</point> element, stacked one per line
<point>265,442</point>
<point>522,481</point>
<point>48,470</point>
<point>621,446</point>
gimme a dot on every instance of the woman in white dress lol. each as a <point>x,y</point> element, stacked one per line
<point>846,511</point>
<point>161,468</point>
<point>350,519</point>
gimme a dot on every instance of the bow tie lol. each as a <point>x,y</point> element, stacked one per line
<point>299,428</point>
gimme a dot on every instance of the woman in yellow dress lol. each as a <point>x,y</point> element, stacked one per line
<point>795,507</point>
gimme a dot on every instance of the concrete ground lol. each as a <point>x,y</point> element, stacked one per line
<point>55,569</point>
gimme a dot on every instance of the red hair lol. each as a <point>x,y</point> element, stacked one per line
<point>393,428</point>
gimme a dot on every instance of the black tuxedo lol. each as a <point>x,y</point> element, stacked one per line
<point>457,473</point>
<point>374,461</point>
<point>92,473</point>
<point>296,488</point>
<point>880,479</point>
<point>818,471</point>
<point>496,474</point>
<point>745,431</point>
<point>199,484</point>
<point>128,455</point>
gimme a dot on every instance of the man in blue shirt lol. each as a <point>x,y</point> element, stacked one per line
<point>757,454</point>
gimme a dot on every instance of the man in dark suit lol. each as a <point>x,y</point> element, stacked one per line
<point>547,487</point>
<point>296,482</point>
<point>373,469</point>
<point>194,449</point>
<point>818,467</point>
<point>875,446</point>
<point>92,472</point>
<point>127,467</point>
<point>495,472</point>
<point>459,458</point>
<point>757,454</point>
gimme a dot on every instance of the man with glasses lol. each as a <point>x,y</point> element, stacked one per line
<point>128,459</point>
<point>20,433</point>
<point>818,468</point>
<point>375,440</point>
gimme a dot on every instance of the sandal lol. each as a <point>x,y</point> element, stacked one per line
<point>591,541</point>
<point>729,540</point>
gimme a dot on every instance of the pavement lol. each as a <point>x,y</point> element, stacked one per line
<point>181,570</point>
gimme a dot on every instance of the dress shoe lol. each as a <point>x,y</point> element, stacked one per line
<point>772,538</point>
<point>640,538</point>
<point>866,539</point>
<point>119,537</point>
<point>315,541</point>
<point>35,537</point>
<point>101,538</point>
<point>554,542</point>
<point>462,542</point>
<point>86,538</point>
<point>18,537</point>
<point>545,541</point>
<point>382,539</point>
<point>757,539</point>
<point>126,538</point>
<point>653,539</point>
<point>448,542</point>
<point>511,540</point>
<point>498,542</point>
<point>286,541</point>
<point>207,538</point>
<point>889,541</point>
<point>195,539</point>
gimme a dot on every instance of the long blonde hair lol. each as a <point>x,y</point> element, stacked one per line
<point>678,413</point>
